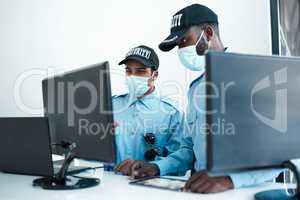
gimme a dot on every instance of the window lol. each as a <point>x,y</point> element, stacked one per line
<point>285,15</point>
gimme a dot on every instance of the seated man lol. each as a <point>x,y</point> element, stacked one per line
<point>195,31</point>
<point>148,126</point>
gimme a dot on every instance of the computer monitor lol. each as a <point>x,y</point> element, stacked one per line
<point>25,146</point>
<point>78,105</point>
<point>253,106</point>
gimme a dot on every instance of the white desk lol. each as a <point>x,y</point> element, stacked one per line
<point>112,187</point>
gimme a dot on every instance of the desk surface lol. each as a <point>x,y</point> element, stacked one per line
<point>112,187</point>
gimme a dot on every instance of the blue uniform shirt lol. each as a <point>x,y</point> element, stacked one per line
<point>136,117</point>
<point>192,152</point>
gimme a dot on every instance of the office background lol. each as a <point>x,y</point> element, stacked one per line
<point>67,34</point>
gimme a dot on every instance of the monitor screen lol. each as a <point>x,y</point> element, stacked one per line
<point>78,105</point>
<point>254,111</point>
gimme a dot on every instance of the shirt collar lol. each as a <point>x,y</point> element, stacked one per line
<point>147,100</point>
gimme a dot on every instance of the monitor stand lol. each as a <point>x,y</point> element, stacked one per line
<point>294,166</point>
<point>60,181</point>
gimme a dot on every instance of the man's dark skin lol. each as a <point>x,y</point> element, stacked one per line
<point>200,182</point>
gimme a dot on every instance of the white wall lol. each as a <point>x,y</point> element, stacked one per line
<point>66,34</point>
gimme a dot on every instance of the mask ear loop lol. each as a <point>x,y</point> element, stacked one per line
<point>152,76</point>
<point>202,34</point>
<point>205,44</point>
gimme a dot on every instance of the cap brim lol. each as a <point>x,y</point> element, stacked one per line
<point>138,59</point>
<point>172,40</point>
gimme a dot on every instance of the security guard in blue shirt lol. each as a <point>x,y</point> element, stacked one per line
<point>195,30</point>
<point>149,126</point>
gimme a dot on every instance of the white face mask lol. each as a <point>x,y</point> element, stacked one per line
<point>190,59</point>
<point>137,85</point>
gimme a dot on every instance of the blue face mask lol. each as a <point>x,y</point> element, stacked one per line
<point>188,55</point>
<point>137,86</point>
<point>190,59</point>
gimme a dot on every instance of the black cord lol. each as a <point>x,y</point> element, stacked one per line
<point>99,167</point>
<point>79,177</point>
<point>83,170</point>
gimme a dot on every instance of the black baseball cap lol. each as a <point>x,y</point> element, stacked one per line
<point>144,55</point>
<point>192,15</point>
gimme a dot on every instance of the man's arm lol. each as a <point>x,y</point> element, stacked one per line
<point>175,132</point>
<point>172,164</point>
<point>178,162</point>
<point>250,178</point>
<point>201,182</point>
